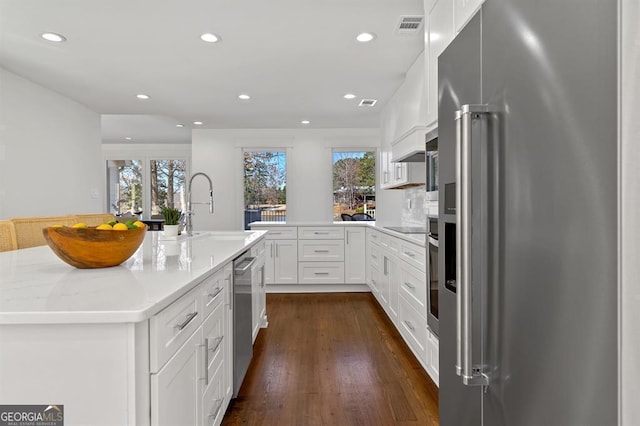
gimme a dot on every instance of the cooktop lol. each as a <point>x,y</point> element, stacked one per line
<point>408,229</point>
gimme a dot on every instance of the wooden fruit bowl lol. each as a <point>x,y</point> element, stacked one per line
<point>87,248</point>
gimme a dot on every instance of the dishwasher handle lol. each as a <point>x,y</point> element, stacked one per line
<point>244,266</point>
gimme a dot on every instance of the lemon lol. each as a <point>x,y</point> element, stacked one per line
<point>56,225</point>
<point>104,226</point>
<point>80,225</point>
<point>139,224</point>
<point>120,227</point>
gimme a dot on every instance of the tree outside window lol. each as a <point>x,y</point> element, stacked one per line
<point>354,183</point>
<point>124,186</point>
<point>265,186</point>
<point>167,184</point>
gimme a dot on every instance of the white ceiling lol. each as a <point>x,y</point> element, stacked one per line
<point>296,58</point>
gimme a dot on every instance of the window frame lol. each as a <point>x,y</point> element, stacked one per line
<point>374,150</point>
<point>145,155</point>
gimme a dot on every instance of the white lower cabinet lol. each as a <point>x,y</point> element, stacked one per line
<point>281,262</point>
<point>391,278</point>
<point>324,255</point>
<point>355,256</point>
<point>433,357</point>
<point>397,277</point>
<point>195,384</point>
<point>258,301</point>
<point>175,388</point>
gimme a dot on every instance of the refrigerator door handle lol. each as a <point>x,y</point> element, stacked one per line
<point>471,374</point>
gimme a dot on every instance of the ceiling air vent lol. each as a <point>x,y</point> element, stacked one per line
<point>368,102</point>
<point>409,24</point>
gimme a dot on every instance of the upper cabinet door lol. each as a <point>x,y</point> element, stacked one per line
<point>464,10</point>
<point>441,31</point>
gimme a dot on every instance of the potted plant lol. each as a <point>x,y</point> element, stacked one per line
<point>171,221</point>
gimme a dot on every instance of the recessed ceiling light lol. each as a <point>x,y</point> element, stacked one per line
<point>305,122</point>
<point>198,123</point>
<point>128,138</point>
<point>365,37</point>
<point>244,96</point>
<point>179,125</point>
<point>349,96</point>
<point>142,96</point>
<point>210,38</point>
<point>53,37</point>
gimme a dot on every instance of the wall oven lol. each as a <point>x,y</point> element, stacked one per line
<point>432,274</point>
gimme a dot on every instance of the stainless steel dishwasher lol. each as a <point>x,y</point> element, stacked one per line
<point>242,311</point>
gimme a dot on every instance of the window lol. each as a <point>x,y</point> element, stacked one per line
<point>167,184</point>
<point>265,186</point>
<point>142,186</point>
<point>124,186</point>
<point>354,183</point>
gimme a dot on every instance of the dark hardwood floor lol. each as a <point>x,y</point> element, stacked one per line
<point>332,359</point>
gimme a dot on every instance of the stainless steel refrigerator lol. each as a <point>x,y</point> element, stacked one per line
<point>528,216</point>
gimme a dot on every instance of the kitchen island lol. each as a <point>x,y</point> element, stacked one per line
<point>146,342</point>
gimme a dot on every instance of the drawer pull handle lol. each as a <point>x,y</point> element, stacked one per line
<point>409,325</point>
<point>320,233</point>
<point>321,273</point>
<point>275,233</point>
<point>409,254</point>
<point>321,251</point>
<point>216,293</point>
<point>186,322</point>
<point>374,256</point>
<point>218,343</point>
<point>411,286</point>
<point>217,410</point>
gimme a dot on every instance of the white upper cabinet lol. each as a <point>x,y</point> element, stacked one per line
<point>407,107</point>
<point>440,32</point>
<point>464,10</point>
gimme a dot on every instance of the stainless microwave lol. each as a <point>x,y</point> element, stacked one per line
<point>431,164</point>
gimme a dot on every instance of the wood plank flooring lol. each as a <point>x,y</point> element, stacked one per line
<point>332,359</point>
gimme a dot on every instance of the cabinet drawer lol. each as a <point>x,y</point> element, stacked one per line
<point>213,400</point>
<point>258,249</point>
<point>413,284</point>
<point>321,272</point>
<point>213,332</point>
<point>170,328</point>
<point>413,328</point>
<point>413,254</point>
<point>374,237</point>
<point>281,233</point>
<point>321,232</point>
<point>215,291</point>
<point>321,250</point>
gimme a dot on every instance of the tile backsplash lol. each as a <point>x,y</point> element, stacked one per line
<point>416,207</point>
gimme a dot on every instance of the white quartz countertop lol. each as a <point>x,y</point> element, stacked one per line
<point>36,287</point>
<point>419,239</point>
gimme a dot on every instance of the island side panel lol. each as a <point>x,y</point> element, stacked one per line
<point>85,367</point>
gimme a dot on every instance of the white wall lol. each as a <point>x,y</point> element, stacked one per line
<point>630,214</point>
<point>50,160</point>
<point>218,153</point>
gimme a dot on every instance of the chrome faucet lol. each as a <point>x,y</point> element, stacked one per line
<point>190,212</point>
